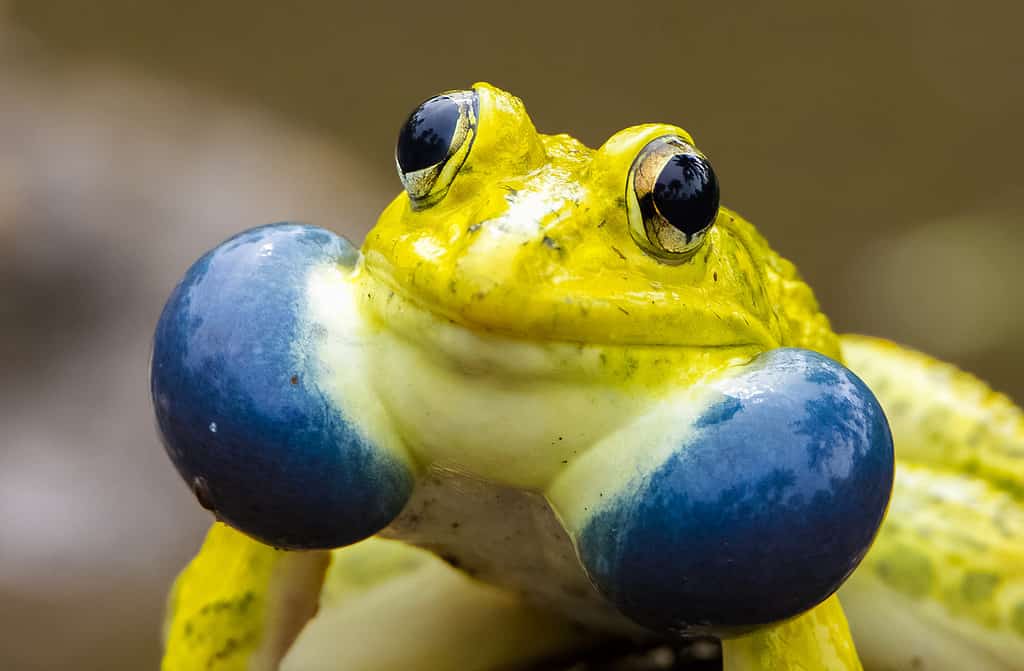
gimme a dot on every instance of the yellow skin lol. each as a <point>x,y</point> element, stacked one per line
<point>521,293</point>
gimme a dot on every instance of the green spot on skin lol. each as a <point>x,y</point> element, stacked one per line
<point>907,570</point>
<point>1017,619</point>
<point>1015,489</point>
<point>978,586</point>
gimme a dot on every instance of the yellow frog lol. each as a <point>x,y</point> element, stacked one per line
<point>561,399</point>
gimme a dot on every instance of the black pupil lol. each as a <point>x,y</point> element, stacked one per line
<point>686,193</point>
<point>426,136</point>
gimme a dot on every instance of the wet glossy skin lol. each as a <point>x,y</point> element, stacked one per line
<point>678,425</point>
<point>531,241</point>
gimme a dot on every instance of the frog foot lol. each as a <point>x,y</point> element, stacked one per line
<point>241,406</point>
<point>742,502</point>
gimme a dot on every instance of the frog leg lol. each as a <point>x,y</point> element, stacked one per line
<point>818,639</point>
<point>943,585</point>
<point>738,503</point>
<point>382,605</point>
<point>239,604</point>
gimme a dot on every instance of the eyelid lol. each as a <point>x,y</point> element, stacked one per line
<point>650,228</point>
<point>428,185</point>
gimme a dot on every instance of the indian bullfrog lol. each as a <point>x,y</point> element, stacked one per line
<point>562,397</point>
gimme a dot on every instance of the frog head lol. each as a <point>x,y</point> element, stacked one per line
<point>538,237</point>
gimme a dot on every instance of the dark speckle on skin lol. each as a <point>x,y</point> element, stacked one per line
<point>978,586</point>
<point>1017,619</point>
<point>451,560</point>
<point>618,252</point>
<point>230,645</point>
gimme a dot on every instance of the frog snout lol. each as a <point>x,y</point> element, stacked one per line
<point>235,385</point>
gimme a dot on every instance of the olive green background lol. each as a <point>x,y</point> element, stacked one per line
<point>876,145</point>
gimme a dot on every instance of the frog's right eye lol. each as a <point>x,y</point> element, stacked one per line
<point>434,143</point>
<point>672,199</point>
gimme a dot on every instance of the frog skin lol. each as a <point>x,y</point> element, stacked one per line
<point>562,397</point>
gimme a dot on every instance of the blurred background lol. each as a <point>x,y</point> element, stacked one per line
<point>877,146</point>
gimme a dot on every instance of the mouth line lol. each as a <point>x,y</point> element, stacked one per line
<point>408,315</point>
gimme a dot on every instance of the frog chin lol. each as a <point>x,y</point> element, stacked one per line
<point>537,403</point>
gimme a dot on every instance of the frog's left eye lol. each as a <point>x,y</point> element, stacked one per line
<point>434,143</point>
<point>672,198</point>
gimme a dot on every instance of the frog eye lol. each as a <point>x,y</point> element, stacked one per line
<point>672,198</point>
<point>434,143</point>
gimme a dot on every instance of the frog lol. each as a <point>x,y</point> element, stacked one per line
<point>561,401</point>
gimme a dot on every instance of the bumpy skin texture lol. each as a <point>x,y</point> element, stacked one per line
<point>949,560</point>
<point>638,446</point>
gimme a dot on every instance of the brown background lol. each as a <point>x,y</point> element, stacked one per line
<point>876,145</point>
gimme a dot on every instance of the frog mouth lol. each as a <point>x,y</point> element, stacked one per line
<point>682,318</point>
<point>557,349</point>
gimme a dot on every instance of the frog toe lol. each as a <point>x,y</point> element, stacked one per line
<point>244,399</point>
<point>760,508</point>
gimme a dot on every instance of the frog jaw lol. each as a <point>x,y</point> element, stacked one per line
<point>518,357</point>
<point>541,403</point>
<point>533,281</point>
